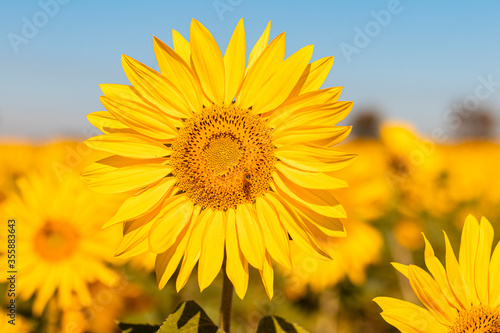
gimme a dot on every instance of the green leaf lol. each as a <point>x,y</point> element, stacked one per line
<point>189,317</point>
<point>136,328</point>
<point>272,324</point>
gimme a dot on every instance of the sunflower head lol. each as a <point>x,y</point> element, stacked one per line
<point>59,238</point>
<point>55,241</point>
<point>463,297</point>
<point>222,156</point>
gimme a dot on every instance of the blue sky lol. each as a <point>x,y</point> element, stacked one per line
<point>412,65</point>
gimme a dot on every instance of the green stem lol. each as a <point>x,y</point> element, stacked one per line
<point>226,302</point>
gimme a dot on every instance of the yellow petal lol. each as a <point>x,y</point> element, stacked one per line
<point>166,263</point>
<point>275,237</point>
<point>236,264</point>
<point>193,249</point>
<point>129,178</point>
<point>124,91</point>
<point>208,62</point>
<point>46,292</point>
<point>326,115</point>
<point>408,317</point>
<point>401,326</point>
<point>265,66</point>
<point>129,93</point>
<point>313,76</point>
<point>82,291</point>
<point>468,252</point>
<point>320,201</point>
<point>99,168</point>
<point>156,88</point>
<point>64,292</point>
<point>318,233</point>
<point>140,117</point>
<point>112,163</point>
<point>267,275</point>
<point>234,62</point>
<point>438,272</point>
<point>494,293</point>
<point>403,269</point>
<point>312,180</point>
<point>320,135</point>
<point>318,97</point>
<point>135,236</point>
<point>430,295</point>
<point>181,46</point>
<point>28,289</point>
<point>179,73</point>
<point>332,227</point>
<point>107,123</point>
<point>315,159</point>
<point>482,265</point>
<point>250,235</point>
<point>212,250</point>
<point>128,145</point>
<point>295,228</point>
<point>259,46</point>
<point>338,135</point>
<point>455,276</point>
<point>169,223</point>
<point>308,101</point>
<point>142,203</point>
<point>276,90</point>
<point>388,303</point>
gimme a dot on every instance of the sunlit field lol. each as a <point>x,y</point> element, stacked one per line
<point>401,185</point>
<point>237,178</point>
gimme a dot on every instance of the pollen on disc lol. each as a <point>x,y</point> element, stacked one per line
<point>479,318</point>
<point>223,156</point>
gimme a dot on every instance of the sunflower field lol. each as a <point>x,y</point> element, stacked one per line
<point>234,189</point>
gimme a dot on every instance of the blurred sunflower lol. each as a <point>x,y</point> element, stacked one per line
<point>222,159</point>
<point>59,243</point>
<point>351,255</point>
<point>16,159</point>
<point>464,297</point>
<point>369,192</point>
<point>465,186</point>
<point>411,159</point>
<point>109,304</point>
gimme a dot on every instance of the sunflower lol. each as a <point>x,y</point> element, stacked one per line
<point>353,254</point>
<point>60,247</point>
<point>464,297</point>
<point>222,159</point>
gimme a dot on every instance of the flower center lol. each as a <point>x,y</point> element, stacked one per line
<point>223,157</point>
<point>222,153</point>
<point>478,319</point>
<point>56,241</point>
